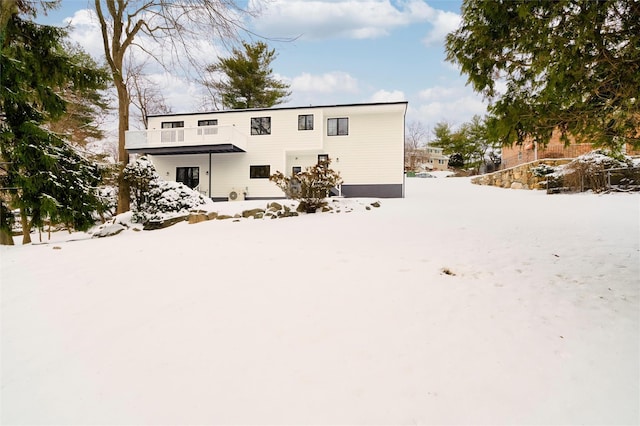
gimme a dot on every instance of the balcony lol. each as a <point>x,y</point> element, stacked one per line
<point>186,140</point>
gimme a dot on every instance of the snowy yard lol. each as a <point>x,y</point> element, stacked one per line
<point>460,304</point>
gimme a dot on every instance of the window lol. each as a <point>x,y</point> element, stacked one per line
<point>337,126</point>
<point>172,124</point>
<point>190,176</point>
<point>172,135</point>
<point>259,172</point>
<point>323,158</point>
<point>295,170</point>
<point>209,128</point>
<point>261,125</point>
<point>305,122</point>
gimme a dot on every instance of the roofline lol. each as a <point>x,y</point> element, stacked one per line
<point>279,108</point>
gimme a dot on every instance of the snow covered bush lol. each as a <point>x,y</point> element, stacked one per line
<point>589,171</point>
<point>156,199</point>
<point>542,170</point>
<point>310,187</point>
<point>139,176</point>
<point>166,199</point>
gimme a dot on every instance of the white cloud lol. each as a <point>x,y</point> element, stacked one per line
<point>385,96</point>
<point>358,19</point>
<point>85,31</point>
<point>453,104</point>
<point>331,82</point>
<point>442,24</point>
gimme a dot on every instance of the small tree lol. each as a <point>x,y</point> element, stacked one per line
<point>415,133</point>
<point>310,187</point>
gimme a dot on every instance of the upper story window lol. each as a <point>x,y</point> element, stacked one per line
<point>172,135</point>
<point>337,126</point>
<point>209,128</point>
<point>172,124</point>
<point>305,122</point>
<point>261,125</point>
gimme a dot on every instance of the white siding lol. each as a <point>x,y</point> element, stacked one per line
<point>372,153</point>
<point>166,167</point>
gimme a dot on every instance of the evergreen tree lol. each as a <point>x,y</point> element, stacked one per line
<point>472,143</point>
<point>51,180</point>
<point>572,65</point>
<point>247,81</point>
<point>86,105</point>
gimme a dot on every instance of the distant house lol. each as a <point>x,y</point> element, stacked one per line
<point>426,158</point>
<point>435,159</point>
<point>231,154</point>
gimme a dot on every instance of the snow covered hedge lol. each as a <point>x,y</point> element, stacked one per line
<point>593,171</point>
<point>157,199</point>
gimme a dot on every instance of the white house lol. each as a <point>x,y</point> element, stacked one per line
<point>231,154</point>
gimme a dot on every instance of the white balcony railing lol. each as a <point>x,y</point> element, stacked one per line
<point>185,136</point>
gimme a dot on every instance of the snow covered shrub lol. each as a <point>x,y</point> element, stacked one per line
<point>139,176</point>
<point>166,199</point>
<point>310,187</point>
<point>108,196</point>
<point>542,170</point>
<point>588,172</point>
<point>154,198</point>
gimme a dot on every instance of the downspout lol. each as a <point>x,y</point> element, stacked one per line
<point>209,174</point>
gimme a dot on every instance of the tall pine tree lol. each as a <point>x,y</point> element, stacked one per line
<point>45,177</point>
<point>247,80</point>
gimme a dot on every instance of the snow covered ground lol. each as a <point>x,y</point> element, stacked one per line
<point>459,304</point>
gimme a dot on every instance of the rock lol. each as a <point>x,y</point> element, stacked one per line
<point>517,185</point>
<point>212,215</point>
<point>161,224</point>
<point>255,213</point>
<point>273,206</point>
<point>375,204</point>
<point>197,218</point>
<point>287,214</point>
<point>223,217</point>
<point>109,231</point>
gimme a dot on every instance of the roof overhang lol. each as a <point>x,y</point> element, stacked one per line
<point>190,149</point>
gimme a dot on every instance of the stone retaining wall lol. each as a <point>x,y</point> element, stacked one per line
<point>519,177</point>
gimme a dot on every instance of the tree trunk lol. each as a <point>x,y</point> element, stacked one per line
<point>26,227</point>
<point>6,239</point>
<point>124,193</point>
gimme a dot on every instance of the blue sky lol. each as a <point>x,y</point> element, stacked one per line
<point>346,51</point>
